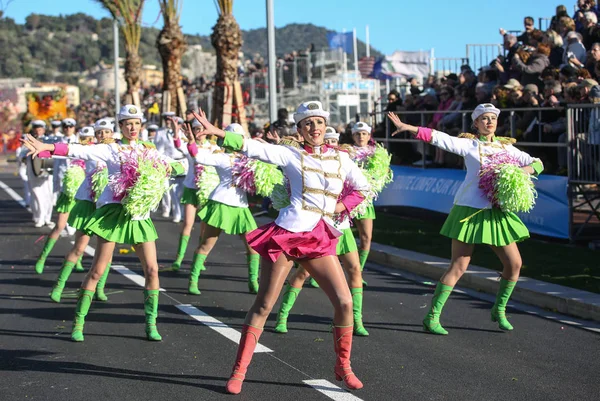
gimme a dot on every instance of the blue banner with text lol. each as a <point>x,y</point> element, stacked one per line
<point>434,189</point>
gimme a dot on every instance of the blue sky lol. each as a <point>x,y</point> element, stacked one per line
<point>445,25</point>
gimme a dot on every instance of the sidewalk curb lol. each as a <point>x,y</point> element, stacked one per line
<point>554,297</point>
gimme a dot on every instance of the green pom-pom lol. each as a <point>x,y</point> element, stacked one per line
<point>280,196</point>
<point>206,183</point>
<point>515,190</point>
<point>72,180</point>
<point>149,189</point>
<point>99,182</point>
<point>266,176</point>
<point>377,169</point>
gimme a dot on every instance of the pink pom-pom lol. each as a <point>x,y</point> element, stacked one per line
<point>243,174</point>
<point>78,163</point>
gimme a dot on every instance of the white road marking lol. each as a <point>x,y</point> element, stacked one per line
<point>12,194</point>
<point>217,325</point>
<point>331,390</point>
<point>323,386</point>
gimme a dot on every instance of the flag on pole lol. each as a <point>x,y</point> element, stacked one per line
<point>365,66</point>
<point>342,41</point>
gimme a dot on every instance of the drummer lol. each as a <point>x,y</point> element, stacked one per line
<point>40,182</point>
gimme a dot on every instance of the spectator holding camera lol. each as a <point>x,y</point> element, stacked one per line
<point>536,63</point>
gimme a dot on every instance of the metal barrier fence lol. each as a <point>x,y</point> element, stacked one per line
<point>544,23</point>
<point>481,55</point>
<point>447,65</point>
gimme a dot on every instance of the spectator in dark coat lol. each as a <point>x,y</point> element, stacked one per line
<point>537,62</point>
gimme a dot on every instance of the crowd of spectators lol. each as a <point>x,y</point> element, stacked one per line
<point>539,69</point>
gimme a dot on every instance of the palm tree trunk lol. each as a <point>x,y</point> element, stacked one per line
<point>171,46</point>
<point>227,41</point>
<point>133,74</point>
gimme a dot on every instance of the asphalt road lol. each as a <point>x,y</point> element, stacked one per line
<point>540,360</point>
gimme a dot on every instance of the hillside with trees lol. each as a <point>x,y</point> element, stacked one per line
<point>49,48</point>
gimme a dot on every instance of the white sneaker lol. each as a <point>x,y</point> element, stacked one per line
<point>165,214</point>
<point>39,224</point>
<point>177,220</point>
<point>71,230</point>
<point>64,233</point>
<point>50,224</point>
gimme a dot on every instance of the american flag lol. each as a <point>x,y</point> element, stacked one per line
<point>365,66</point>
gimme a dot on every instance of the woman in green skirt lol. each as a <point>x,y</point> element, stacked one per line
<point>111,223</point>
<point>226,210</point>
<point>64,204</point>
<point>367,155</point>
<point>96,178</point>
<point>190,199</point>
<point>473,219</point>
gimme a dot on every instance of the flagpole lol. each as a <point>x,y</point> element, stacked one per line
<point>356,73</point>
<point>369,105</point>
<point>271,62</point>
<point>345,81</point>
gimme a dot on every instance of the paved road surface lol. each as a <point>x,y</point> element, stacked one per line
<point>540,360</point>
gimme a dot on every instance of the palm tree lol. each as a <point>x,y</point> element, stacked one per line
<point>171,46</point>
<point>226,38</point>
<point>129,13</point>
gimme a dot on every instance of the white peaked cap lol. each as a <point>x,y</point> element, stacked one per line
<point>361,126</point>
<point>86,132</point>
<point>313,108</point>
<point>38,123</point>
<point>236,129</point>
<point>130,111</point>
<point>104,123</point>
<point>484,108</point>
<point>69,121</point>
<point>331,133</point>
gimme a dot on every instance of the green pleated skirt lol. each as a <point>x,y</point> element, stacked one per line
<point>64,204</point>
<point>80,215</point>
<point>233,220</point>
<point>346,243</point>
<point>368,214</point>
<point>189,197</point>
<point>484,226</point>
<point>111,223</point>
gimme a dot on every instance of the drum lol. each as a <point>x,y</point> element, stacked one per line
<point>42,167</point>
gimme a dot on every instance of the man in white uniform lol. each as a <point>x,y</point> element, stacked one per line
<point>40,185</point>
<point>165,145</point>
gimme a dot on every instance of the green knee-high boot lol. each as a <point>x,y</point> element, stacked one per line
<point>363,256</point>
<point>100,295</point>
<point>357,299</point>
<point>431,322</point>
<point>63,276</point>
<point>289,297</point>
<point>183,243</point>
<point>39,265</point>
<point>313,283</point>
<point>253,266</point>
<point>78,266</point>
<point>151,311</point>
<point>83,306</point>
<point>197,267</point>
<point>499,308</point>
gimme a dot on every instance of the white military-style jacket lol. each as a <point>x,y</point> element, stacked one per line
<point>475,152</point>
<point>85,189</point>
<point>226,192</point>
<point>111,154</point>
<point>190,177</point>
<point>316,176</point>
